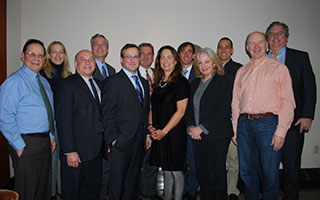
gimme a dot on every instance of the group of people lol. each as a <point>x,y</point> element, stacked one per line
<point>111,132</point>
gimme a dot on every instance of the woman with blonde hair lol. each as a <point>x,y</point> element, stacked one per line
<point>56,68</point>
<point>209,126</point>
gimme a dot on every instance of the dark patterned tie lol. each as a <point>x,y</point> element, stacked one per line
<point>138,88</point>
<point>185,71</point>
<point>149,81</point>
<point>95,93</point>
<point>47,104</point>
<point>104,71</point>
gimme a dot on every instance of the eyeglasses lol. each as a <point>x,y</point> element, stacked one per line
<point>33,55</point>
<point>129,57</point>
<point>271,34</point>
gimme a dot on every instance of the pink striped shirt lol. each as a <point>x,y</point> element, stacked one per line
<point>261,88</point>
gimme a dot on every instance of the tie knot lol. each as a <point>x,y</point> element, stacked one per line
<point>90,80</point>
<point>135,77</point>
<point>185,71</point>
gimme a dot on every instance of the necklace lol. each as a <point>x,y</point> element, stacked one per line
<point>164,84</point>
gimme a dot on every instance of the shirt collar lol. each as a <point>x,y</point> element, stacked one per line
<point>129,74</point>
<point>29,72</point>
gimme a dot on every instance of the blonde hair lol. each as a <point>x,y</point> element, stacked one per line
<point>214,58</point>
<point>47,67</point>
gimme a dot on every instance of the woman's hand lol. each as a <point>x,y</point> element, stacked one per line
<point>195,133</point>
<point>157,134</point>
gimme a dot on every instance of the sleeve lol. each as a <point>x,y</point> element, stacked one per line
<point>10,96</point>
<point>64,117</point>
<point>287,102</point>
<point>235,104</point>
<point>183,89</point>
<point>109,104</point>
<point>309,88</point>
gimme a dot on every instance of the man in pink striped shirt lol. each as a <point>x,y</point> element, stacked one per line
<point>262,112</point>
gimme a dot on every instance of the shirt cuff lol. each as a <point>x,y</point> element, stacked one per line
<point>18,144</point>
<point>204,130</point>
<point>51,136</point>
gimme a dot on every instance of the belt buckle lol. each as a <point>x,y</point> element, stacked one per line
<point>250,117</point>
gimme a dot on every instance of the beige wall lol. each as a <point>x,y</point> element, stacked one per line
<point>164,22</point>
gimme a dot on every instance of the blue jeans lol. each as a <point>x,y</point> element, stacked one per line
<point>254,138</point>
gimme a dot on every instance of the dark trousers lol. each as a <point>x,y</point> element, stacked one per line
<point>291,161</point>
<point>124,174</point>
<point>105,178</point>
<point>210,164</point>
<point>33,169</point>
<point>190,178</point>
<point>148,177</point>
<point>81,183</point>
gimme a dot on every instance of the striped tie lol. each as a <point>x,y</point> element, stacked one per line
<point>149,81</point>
<point>138,89</point>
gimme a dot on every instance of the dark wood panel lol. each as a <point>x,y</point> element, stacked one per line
<point>4,159</point>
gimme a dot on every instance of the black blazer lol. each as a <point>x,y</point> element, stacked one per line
<point>230,70</point>
<point>97,74</point>
<point>215,108</point>
<point>78,118</point>
<point>303,83</point>
<point>124,118</point>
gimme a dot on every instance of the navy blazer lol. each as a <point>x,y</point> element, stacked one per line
<point>97,74</point>
<point>78,118</point>
<point>124,118</point>
<point>303,83</point>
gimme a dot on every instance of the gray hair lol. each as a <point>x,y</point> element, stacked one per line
<point>277,23</point>
<point>99,35</point>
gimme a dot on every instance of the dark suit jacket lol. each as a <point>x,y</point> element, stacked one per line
<point>230,70</point>
<point>78,118</point>
<point>97,74</point>
<point>215,108</point>
<point>303,83</point>
<point>124,118</point>
<point>192,76</point>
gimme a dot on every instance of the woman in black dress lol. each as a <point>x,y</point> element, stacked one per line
<point>167,127</point>
<point>55,68</point>
<point>209,125</point>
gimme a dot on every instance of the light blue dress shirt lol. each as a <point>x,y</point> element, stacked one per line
<point>281,57</point>
<point>22,109</point>
<point>129,74</point>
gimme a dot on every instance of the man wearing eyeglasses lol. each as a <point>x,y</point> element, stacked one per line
<point>304,88</point>
<point>27,122</point>
<point>125,109</point>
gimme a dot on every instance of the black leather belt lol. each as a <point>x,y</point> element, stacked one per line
<point>257,116</point>
<point>44,134</point>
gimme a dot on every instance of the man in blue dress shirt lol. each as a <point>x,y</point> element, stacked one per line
<point>27,123</point>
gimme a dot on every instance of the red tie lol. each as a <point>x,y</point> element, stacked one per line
<point>150,82</point>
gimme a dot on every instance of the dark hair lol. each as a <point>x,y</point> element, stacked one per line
<point>99,35</point>
<point>33,41</point>
<point>277,23</point>
<point>145,44</point>
<point>226,38</point>
<point>158,71</point>
<point>183,45</point>
<point>127,46</point>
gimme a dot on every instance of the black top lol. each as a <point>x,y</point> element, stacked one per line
<point>170,152</point>
<point>56,76</point>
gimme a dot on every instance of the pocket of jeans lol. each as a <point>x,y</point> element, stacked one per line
<point>270,120</point>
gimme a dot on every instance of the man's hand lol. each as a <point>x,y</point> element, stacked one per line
<point>277,142</point>
<point>148,142</point>
<point>305,124</point>
<point>73,159</point>
<point>53,145</point>
<point>19,153</point>
<point>234,140</point>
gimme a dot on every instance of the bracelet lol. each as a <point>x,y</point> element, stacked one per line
<point>149,125</point>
